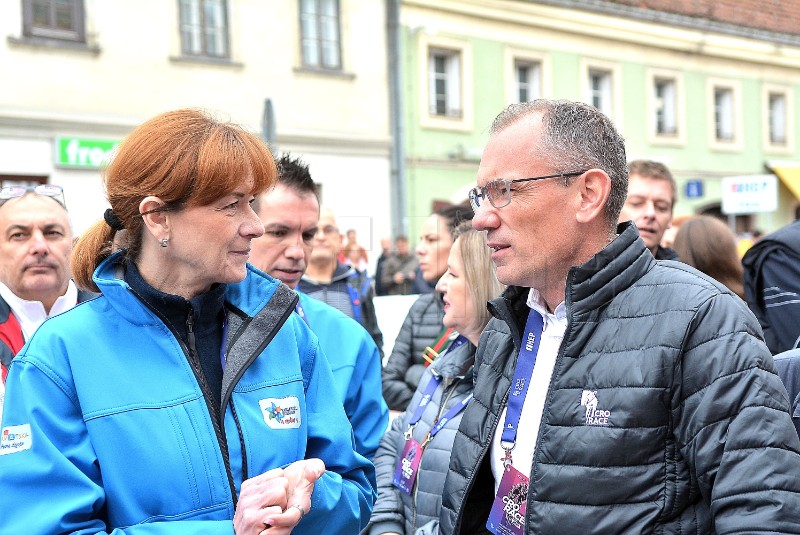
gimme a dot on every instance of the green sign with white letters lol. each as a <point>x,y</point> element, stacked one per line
<point>86,153</point>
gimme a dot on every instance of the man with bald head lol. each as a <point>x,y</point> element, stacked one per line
<point>35,245</point>
<point>337,284</point>
<point>613,392</point>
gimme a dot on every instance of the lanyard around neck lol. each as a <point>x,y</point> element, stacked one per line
<point>526,360</point>
<point>427,394</point>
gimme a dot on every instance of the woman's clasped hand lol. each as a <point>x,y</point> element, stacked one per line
<point>274,502</point>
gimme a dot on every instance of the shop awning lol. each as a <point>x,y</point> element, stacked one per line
<point>790,176</point>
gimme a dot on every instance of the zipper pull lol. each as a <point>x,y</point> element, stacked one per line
<point>190,329</point>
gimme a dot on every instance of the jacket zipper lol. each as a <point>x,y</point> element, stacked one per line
<point>204,388</point>
<point>516,339</point>
<point>559,356</point>
<point>228,398</point>
<point>442,404</point>
<point>194,362</point>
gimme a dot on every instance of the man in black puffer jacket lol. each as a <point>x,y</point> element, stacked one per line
<point>644,399</point>
<point>772,286</point>
<point>405,366</point>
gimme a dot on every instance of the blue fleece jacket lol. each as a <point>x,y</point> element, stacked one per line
<point>356,365</point>
<point>105,427</point>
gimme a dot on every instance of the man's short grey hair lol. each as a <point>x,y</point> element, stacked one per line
<point>576,137</point>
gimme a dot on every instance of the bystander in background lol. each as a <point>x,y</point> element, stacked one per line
<point>399,270</point>
<point>649,204</point>
<point>35,246</point>
<point>338,284</point>
<point>290,212</point>
<point>706,243</point>
<point>772,286</point>
<point>426,430</point>
<point>422,336</point>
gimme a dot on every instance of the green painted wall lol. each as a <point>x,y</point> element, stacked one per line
<point>434,173</point>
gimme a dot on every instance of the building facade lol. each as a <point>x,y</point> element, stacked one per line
<point>308,74</point>
<point>708,88</point>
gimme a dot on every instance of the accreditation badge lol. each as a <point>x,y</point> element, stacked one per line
<point>508,510</point>
<point>407,466</point>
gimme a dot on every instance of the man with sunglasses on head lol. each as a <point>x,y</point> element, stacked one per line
<point>35,246</point>
<point>614,393</point>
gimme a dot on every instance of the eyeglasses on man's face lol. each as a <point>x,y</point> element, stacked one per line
<point>46,190</point>
<point>498,191</point>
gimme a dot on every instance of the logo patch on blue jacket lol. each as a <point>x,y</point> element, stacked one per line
<point>281,413</point>
<point>15,438</point>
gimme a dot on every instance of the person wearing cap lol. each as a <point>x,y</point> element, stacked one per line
<point>34,264</point>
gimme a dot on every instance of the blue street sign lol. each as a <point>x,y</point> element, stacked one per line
<point>694,189</point>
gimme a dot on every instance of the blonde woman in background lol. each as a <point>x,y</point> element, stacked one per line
<point>409,498</point>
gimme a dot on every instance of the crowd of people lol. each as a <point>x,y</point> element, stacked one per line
<point>207,357</point>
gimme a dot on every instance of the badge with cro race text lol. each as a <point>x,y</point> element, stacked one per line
<point>508,510</point>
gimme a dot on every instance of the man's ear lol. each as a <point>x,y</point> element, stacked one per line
<point>594,188</point>
<point>156,222</point>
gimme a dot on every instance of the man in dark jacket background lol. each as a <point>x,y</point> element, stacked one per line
<point>614,393</point>
<point>772,286</point>
<point>337,284</point>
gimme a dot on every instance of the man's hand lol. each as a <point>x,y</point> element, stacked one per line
<point>260,498</point>
<point>301,477</point>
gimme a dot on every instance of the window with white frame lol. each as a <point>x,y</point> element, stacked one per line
<point>777,118</point>
<point>724,114</point>
<point>54,19</point>
<point>204,28</point>
<point>527,80</point>
<point>600,90</point>
<point>444,82</point>
<point>319,34</point>
<point>666,106</point>
<point>445,93</point>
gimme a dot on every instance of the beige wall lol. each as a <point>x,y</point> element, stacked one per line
<point>132,70</point>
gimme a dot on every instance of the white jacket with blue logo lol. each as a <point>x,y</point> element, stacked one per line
<point>105,427</point>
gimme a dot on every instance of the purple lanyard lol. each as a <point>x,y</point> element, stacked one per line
<point>430,388</point>
<point>449,415</point>
<point>522,379</point>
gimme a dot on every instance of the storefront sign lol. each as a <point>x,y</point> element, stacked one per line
<point>749,194</point>
<point>80,152</point>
